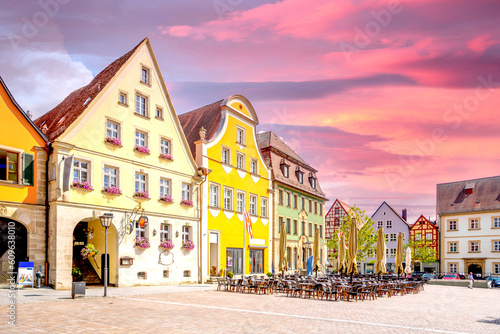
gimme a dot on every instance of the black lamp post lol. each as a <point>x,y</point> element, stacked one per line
<point>106,222</point>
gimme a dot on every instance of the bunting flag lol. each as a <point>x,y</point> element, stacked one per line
<point>248,224</point>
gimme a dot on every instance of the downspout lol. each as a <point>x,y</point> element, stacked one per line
<point>200,242</point>
<point>48,149</point>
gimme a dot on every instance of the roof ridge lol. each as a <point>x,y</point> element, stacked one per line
<point>468,180</point>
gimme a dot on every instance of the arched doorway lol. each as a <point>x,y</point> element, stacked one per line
<point>475,269</point>
<point>17,249</point>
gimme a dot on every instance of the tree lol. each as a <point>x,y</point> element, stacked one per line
<point>422,251</point>
<point>366,235</point>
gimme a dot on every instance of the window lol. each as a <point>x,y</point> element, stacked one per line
<point>386,237</point>
<point>280,219</point>
<point>337,211</point>
<point>159,112</point>
<point>315,208</point>
<point>110,176</point>
<point>452,247</point>
<point>418,236</point>
<point>452,268</point>
<point>214,195</point>
<point>141,138</point>
<point>310,229</point>
<point>252,204</point>
<point>240,161</point>
<point>186,191</point>
<point>225,156</point>
<point>496,246</point>
<point>428,236</point>
<point>141,105</point>
<point>295,226</point>
<point>140,182</point>
<point>80,170</point>
<point>320,209</point>
<point>473,246</point>
<point>286,170</point>
<point>240,136</point>
<point>389,224</point>
<point>294,258</point>
<point>303,203</point>
<point>313,182</point>
<point>473,224</point>
<point>288,256</point>
<point>140,232</point>
<point>228,199</point>
<point>288,225</point>
<point>123,98</point>
<point>263,207</point>
<point>165,187</point>
<point>393,252</point>
<point>145,75</point>
<point>387,252</point>
<point>452,225</point>
<point>186,233</point>
<point>321,231</point>
<point>380,223</point>
<point>496,268</point>
<point>112,129</point>
<point>9,162</point>
<point>394,237</point>
<point>165,232</point>
<point>496,222</point>
<point>295,200</point>
<point>165,146</point>
<point>315,228</point>
<point>300,176</point>
<point>288,201</point>
<point>303,228</point>
<point>310,206</point>
<point>253,166</point>
<point>280,197</point>
<point>240,201</point>
<point>256,261</point>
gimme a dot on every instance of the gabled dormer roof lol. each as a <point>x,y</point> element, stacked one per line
<point>395,212</point>
<point>56,121</point>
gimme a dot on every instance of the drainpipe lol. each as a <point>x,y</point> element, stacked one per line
<point>200,242</point>
<point>48,150</point>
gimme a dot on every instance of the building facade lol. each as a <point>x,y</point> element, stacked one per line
<point>333,219</point>
<point>423,229</point>
<point>23,159</point>
<point>222,137</point>
<point>299,202</point>
<point>468,214</point>
<point>118,147</point>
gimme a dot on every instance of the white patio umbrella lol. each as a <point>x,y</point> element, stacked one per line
<point>408,261</point>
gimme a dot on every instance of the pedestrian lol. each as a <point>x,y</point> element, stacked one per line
<point>471,280</point>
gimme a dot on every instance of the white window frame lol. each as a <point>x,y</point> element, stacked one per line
<point>288,199</point>
<point>141,179</point>
<point>228,198</point>
<point>165,145</point>
<point>107,174</point>
<point>452,268</point>
<point>145,75</point>
<point>112,132</point>
<point>496,246</point>
<point>496,222</point>
<point>214,194</point>
<point>452,225</point>
<point>125,98</point>
<point>300,177</point>
<point>263,207</point>
<point>158,112</point>
<point>139,139</point>
<point>428,235</point>
<point>474,247</point>
<point>240,160</point>
<point>165,187</point>
<point>380,223</point>
<point>78,169</point>
<point>225,156</point>
<point>474,224</point>
<point>252,204</point>
<point>393,237</point>
<point>240,201</point>
<point>165,232</point>
<point>186,233</point>
<point>186,191</point>
<point>453,247</point>
<point>393,252</point>
<point>286,171</point>
<point>388,224</point>
<point>240,135</point>
<point>141,101</point>
<point>254,166</point>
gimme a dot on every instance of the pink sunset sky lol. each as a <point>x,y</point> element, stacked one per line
<point>385,98</point>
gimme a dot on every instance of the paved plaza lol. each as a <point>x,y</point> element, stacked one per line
<point>201,309</point>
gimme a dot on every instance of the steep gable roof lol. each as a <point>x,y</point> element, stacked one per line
<point>390,207</point>
<point>23,113</point>
<point>270,140</point>
<point>433,224</point>
<point>56,121</point>
<point>453,197</point>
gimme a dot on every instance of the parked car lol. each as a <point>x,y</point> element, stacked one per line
<point>428,276</point>
<point>495,281</point>
<point>417,274</point>
<point>451,276</point>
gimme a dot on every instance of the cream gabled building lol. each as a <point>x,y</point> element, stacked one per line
<point>120,137</point>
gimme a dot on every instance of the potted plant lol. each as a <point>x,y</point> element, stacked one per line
<point>167,199</point>
<point>82,185</point>
<point>142,149</point>
<point>230,274</point>
<point>141,194</point>
<point>76,273</point>
<point>89,252</point>
<point>142,243</point>
<point>188,245</point>
<point>167,244</point>
<point>187,202</point>
<point>269,274</point>
<point>113,141</point>
<point>112,190</point>
<point>166,156</point>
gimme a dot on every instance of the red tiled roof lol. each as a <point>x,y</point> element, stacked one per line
<point>270,139</point>
<point>56,121</point>
<point>207,117</point>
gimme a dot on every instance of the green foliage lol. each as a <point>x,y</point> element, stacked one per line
<point>422,251</point>
<point>269,274</point>
<point>230,274</point>
<point>367,237</point>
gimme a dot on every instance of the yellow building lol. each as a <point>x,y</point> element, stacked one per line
<point>222,137</point>
<point>118,147</point>
<point>22,187</point>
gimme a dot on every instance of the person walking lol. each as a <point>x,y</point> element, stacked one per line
<point>471,280</point>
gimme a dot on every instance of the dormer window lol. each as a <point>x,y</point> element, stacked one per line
<point>469,188</point>
<point>145,75</point>
<point>312,180</point>
<point>285,168</point>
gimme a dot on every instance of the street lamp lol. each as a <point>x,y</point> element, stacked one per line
<point>106,222</point>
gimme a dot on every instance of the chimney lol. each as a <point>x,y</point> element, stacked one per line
<point>30,115</point>
<point>404,214</point>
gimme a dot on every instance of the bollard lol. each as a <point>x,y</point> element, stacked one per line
<point>38,277</point>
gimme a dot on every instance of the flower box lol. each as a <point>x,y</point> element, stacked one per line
<point>166,156</point>
<point>82,185</point>
<point>167,199</point>
<point>142,149</point>
<point>142,243</point>
<point>188,245</point>
<point>112,190</point>
<point>113,141</point>
<point>142,194</point>
<point>167,244</point>
<point>187,202</point>
<point>89,252</point>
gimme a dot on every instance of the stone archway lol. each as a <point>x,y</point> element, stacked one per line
<point>13,246</point>
<point>475,269</point>
<point>475,266</point>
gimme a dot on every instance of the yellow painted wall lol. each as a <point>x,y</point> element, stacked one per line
<point>231,231</point>
<point>17,133</point>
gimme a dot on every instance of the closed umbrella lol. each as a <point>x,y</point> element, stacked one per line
<point>283,263</point>
<point>380,261</point>
<point>408,261</point>
<point>352,266</point>
<point>300,256</point>
<point>399,254</point>
<point>342,264</point>
<point>316,252</point>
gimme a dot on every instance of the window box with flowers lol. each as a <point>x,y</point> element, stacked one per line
<point>141,194</point>
<point>188,245</point>
<point>167,244</point>
<point>166,156</point>
<point>82,185</point>
<point>112,190</point>
<point>113,141</point>
<point>142,149</point>
<point>89,252</point>
<point>187,202</point>
<point>167,199</point>
<point>142,243</point>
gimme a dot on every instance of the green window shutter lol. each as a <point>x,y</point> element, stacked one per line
<point>28,169</point>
